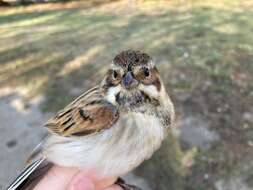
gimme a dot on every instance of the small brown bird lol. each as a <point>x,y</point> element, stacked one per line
<point>111,128</point>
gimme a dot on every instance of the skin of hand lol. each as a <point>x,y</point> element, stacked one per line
<point>59,178</point>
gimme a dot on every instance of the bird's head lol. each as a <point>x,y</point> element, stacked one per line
<point>133,80</point>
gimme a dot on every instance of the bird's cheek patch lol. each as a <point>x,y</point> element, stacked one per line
<point>157,84</point>
<point>151,90</point>
<point>111,94</point>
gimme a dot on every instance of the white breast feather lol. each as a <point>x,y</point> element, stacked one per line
<point>112,152</point>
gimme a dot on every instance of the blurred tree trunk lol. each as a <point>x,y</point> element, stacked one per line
<point>4,3</point>
<point>31,1</point>
<point>25,2</point>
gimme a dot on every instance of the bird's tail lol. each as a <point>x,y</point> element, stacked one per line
<point>31,175</point>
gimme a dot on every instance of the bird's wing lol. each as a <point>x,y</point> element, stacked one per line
<point>87,114</point>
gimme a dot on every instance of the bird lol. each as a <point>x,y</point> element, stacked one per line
<point>112,127</point>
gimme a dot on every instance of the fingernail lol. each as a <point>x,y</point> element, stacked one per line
<point>83,184</point>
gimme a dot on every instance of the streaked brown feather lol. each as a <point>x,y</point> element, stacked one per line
<point>89,113</point>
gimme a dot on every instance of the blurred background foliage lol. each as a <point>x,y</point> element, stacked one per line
<point>204,50</point>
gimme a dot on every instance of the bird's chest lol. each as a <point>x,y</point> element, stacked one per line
<point>142,131</point>
<point>136,137</point>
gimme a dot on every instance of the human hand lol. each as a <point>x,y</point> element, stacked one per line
<point>62,178</point>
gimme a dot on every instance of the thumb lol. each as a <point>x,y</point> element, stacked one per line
<point>80,182</point>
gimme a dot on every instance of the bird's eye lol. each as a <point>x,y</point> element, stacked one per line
<point>115,74</point>
<point>146,72</point>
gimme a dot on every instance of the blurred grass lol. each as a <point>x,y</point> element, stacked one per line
<point>204,50</point>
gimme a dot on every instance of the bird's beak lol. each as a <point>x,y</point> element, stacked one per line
<point>128,80</point>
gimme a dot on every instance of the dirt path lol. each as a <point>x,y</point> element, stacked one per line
<point>19,131</point>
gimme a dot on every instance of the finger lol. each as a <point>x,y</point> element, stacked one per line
<point>83,183</point>
<point>113,187</point>
<point>56,179</point>
<point>83,180</point>
<point>101,184</point>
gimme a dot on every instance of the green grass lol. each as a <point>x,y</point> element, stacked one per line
<point>204,51</point>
